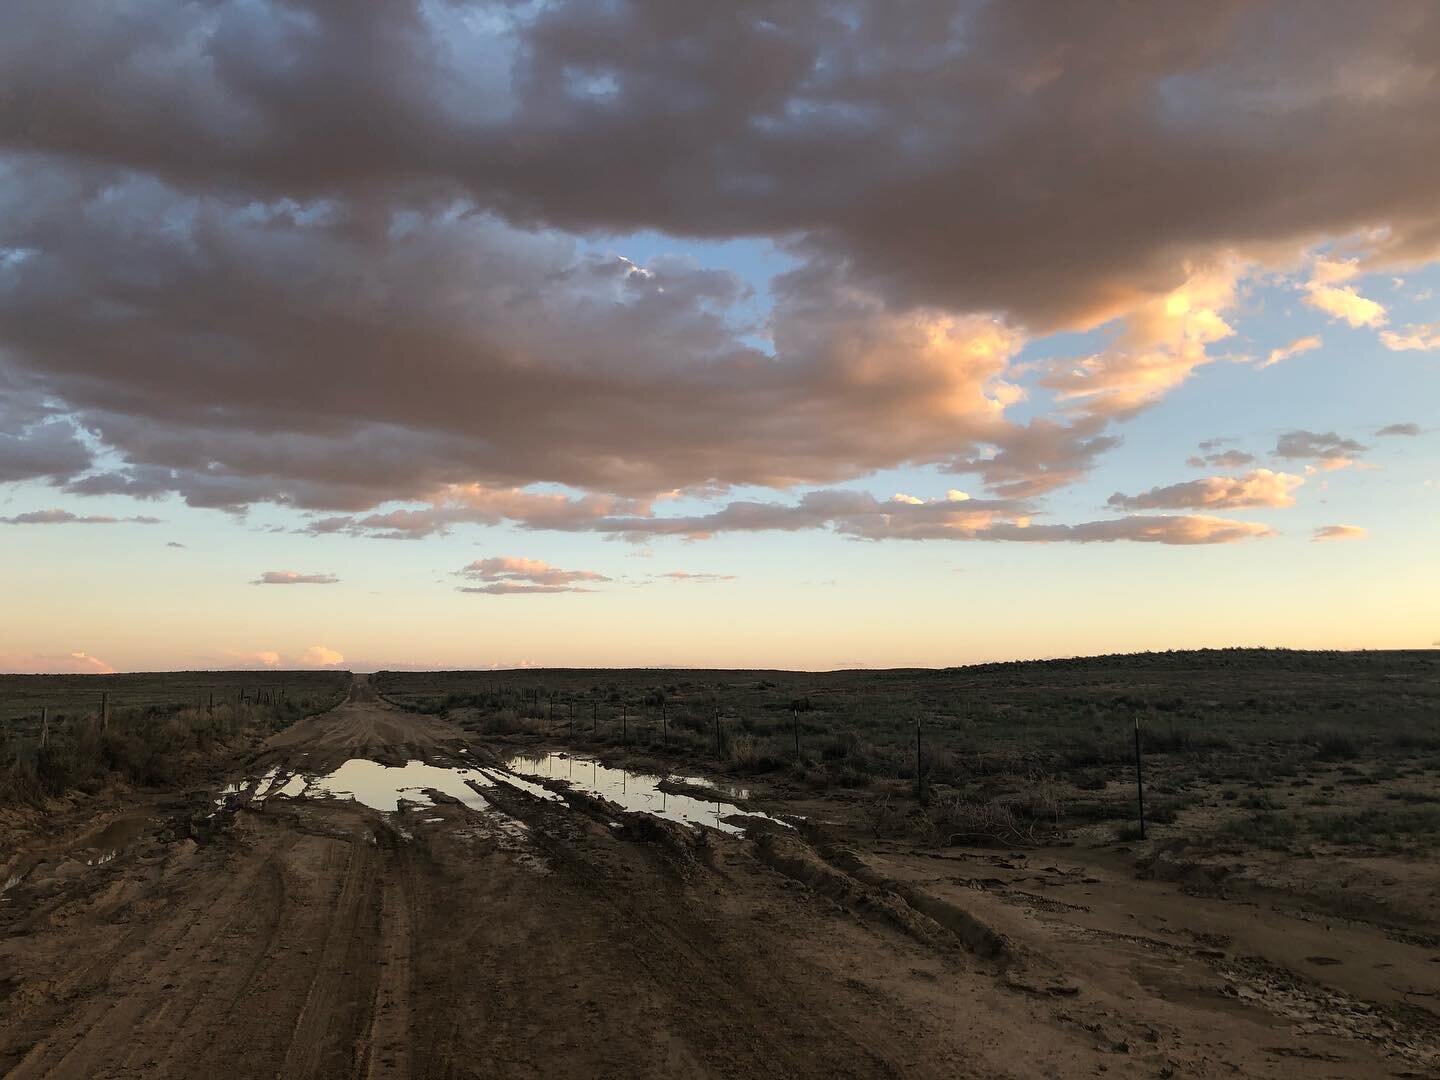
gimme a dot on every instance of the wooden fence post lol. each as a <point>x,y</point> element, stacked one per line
<point>919,764</point>
<point>624,725</point>
<point>664,727</point>
<point>44,726</point>
<point>104,710</point>
<point>717,732</point>
<point>1139,779</point>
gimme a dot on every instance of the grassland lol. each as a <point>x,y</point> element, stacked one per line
<point>158,724</point>
<point>1272,749</point>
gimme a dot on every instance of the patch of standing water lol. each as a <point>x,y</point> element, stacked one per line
<point>384,787</point>
<point>634,791</point>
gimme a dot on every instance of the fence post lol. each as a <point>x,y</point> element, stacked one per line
<point>717,732</point>
<point>1139,779</point>
<point>212,703</point>
<point>104,710</point>
<point>795,723</point>
<point>594,718</point>
<point>624,725</point>
<point>44,726</point>
<point>664,727</point>
<point>919,764</point>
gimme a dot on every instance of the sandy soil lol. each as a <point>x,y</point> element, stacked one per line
<point>318,938</point>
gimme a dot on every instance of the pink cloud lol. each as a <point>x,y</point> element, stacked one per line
<point>72,663</point>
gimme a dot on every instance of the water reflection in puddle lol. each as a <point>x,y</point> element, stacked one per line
<point>385,787</point>
<point>636,791</point>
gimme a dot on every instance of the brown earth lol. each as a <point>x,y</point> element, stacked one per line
<point>318,938</point>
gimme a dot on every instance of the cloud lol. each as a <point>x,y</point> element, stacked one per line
<point>1225,459</point>
<point>1425,338</point>
<point>263,658</point>
<point>290,577</point>
<point>1399,429</point>
<point>441,308</point>
<point>65,517</point>
<point>1340,532</point>
<point>174,544</point>
<point>316,656</point>
<point>1326,292</point>
<point>1327,450</point>
<point>506,575</point>
<point>1262,487</point>
<point>863,517</point>
<point>319,656</point>
<point>697,578</point>
<point>72,663</point>
<point>1295,348</point>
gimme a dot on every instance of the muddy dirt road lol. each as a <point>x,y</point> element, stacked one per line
<point>523,930</point>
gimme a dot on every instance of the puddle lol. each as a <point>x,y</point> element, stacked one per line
<point>385,787</point>
<point>112,840</point>
<point>634,791</point>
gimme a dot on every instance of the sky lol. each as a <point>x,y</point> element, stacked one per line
<point>460,335</point>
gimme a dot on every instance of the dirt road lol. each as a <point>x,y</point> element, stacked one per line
<point>528,937</point>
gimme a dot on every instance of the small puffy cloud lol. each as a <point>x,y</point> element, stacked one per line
<point>1295,348</point>
<point>291,577</point>
<point>508,575</point>
<point>319,656</point>
<point>1213,456</point>
<point>1399,429</point>
<point>1339,532</point>
<point>260,658</point>
<point>1262,487</point>
<point>65,517</point>
<point>316,656</point>
<point>1425,338</point>
<point>1326,450</point>
<point>71,663</point>
<point>1326,291</point>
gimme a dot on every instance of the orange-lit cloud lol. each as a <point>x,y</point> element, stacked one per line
<point>1295,348</point>
<point>319,656</point>
<point>1326,291</point>
<point>1340,532</point>
<point>1163,341</point>
<point>1262,487</point>
<point>1425,338</point>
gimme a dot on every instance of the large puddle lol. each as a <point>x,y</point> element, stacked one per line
<point>384,787</point>
<point>389,788</point>
<point>638,792</point>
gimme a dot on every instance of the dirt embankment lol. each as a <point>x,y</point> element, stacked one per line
<point>318,938</point>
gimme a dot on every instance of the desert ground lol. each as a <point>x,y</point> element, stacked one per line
<point>732,874</point>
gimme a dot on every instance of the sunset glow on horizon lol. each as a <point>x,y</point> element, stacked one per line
<point>434,334</point>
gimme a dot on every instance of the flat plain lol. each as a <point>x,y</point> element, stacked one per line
<point>920,873</point>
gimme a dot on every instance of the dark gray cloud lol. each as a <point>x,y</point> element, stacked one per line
<point>1326,449</point>
<point>66,517</point>
<point>1219,459</point>
<point>332,256</point>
